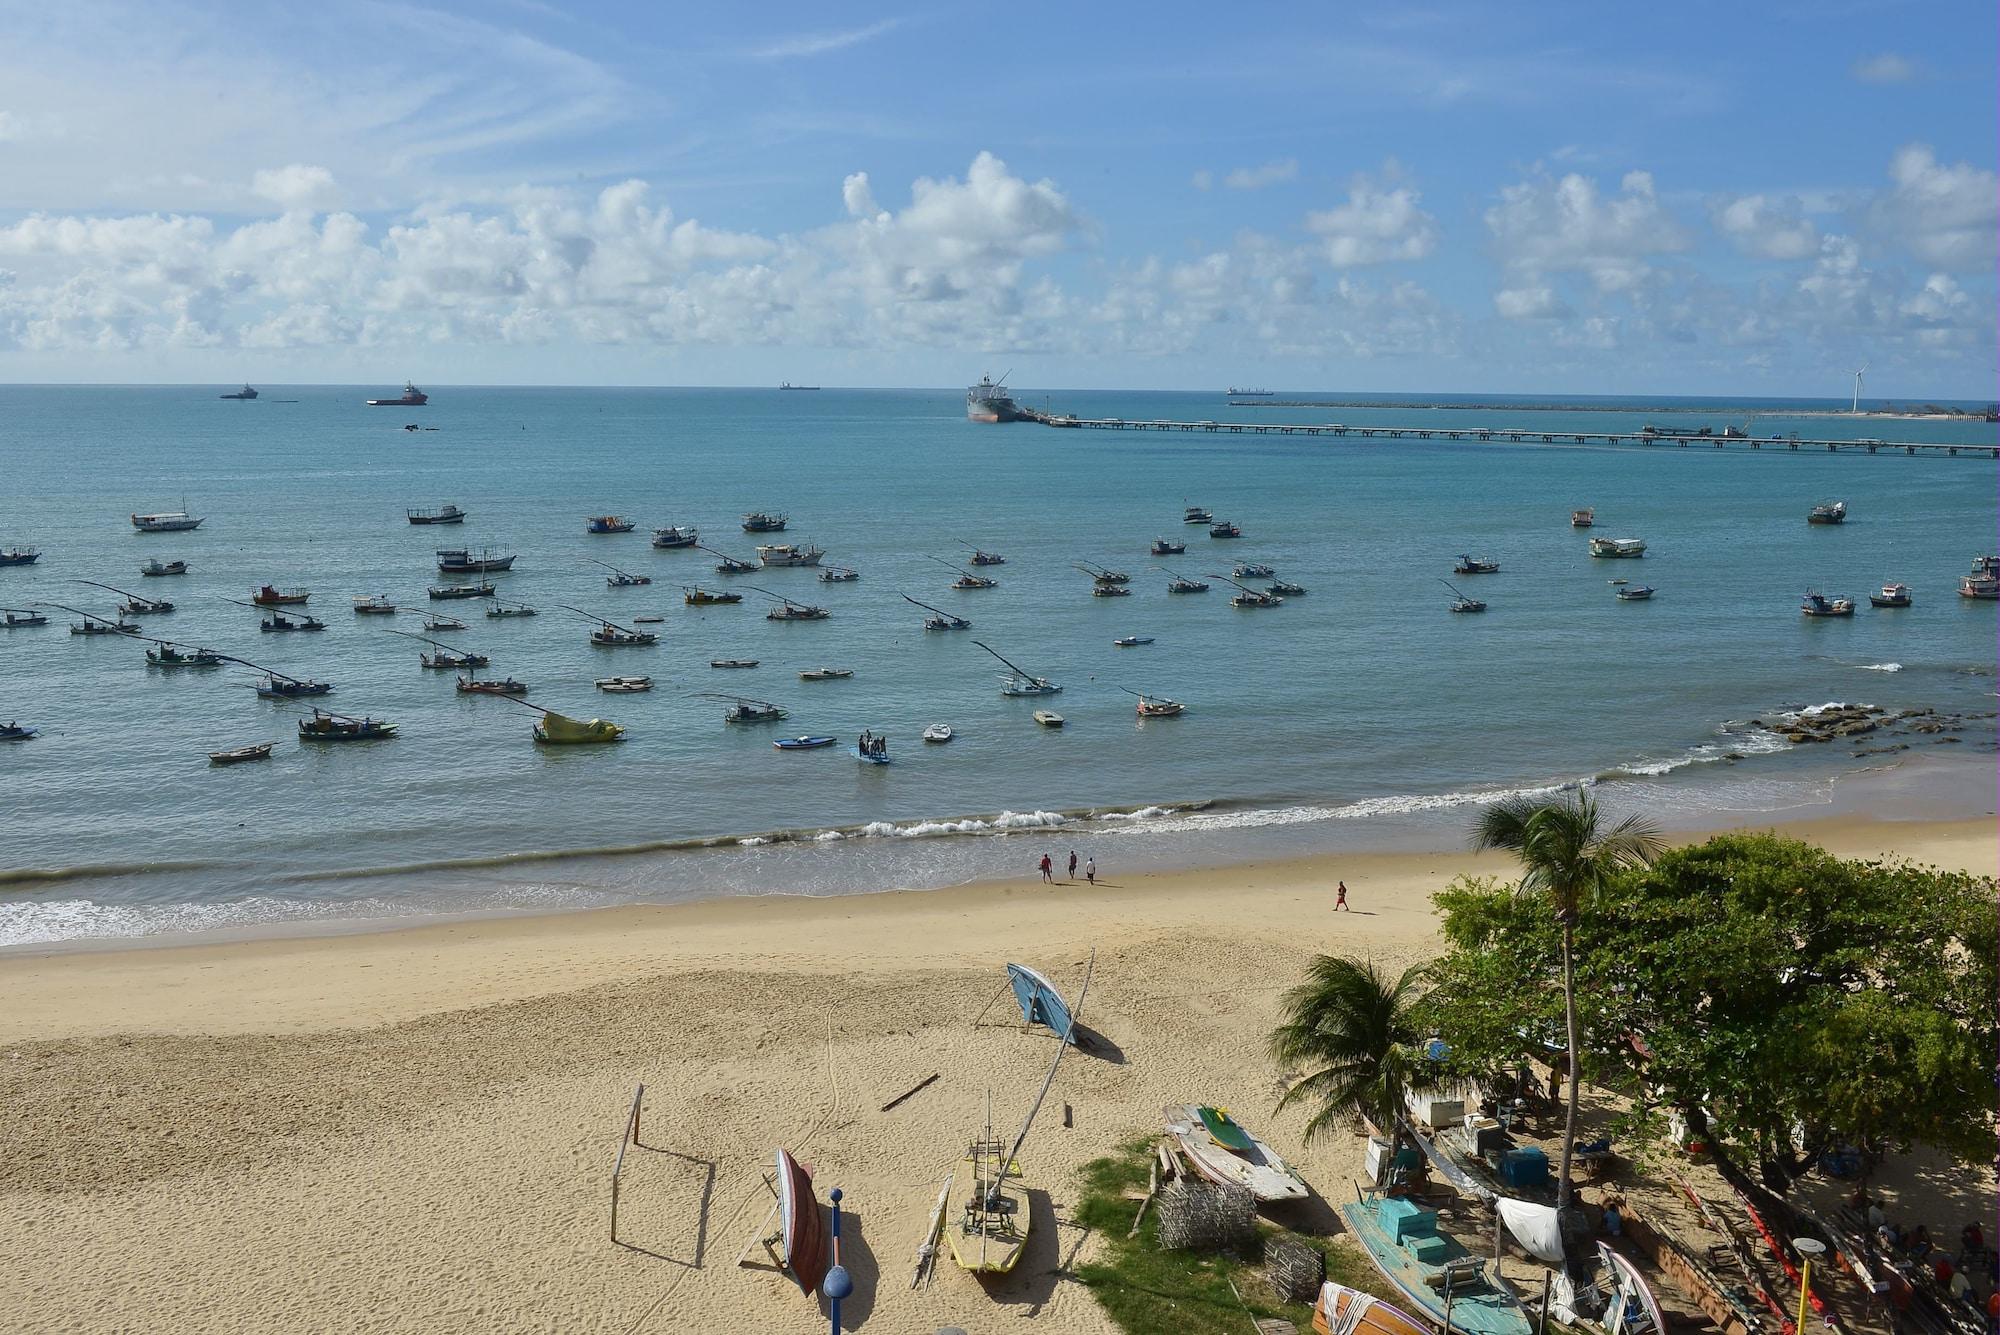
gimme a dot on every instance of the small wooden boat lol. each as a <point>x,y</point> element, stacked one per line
<point>374,605</point>
<point>237,755</point>
<point>1132,641</point>
<point>1817,605</point>
<point>1284,588</point>
<point>1461,603</point>
<point>1158,706</point>
<point>17,732</point>
<point>1020,681</point>
<point>325,727</point>
<point>1340,1310</point>
<point>1110,591</point>
<point>167,656</point>
<point>1195,514</point>
<point>730,565</point>
<point>159,568</point>
<point>803,743</point>
<point>732,662</point>
<point>1048,718</point>
<point>1099,575</point>
<point>1163,547</point>
<point>779,555</point>
<point>826,674</point>
<point>649,619</point>
<point>170,521</point>
<point>980,558</point>
<point>939,619</point>
<point>1617,548</point>
<point>1892,595</point>
<point>871,749</point>
<point>1225,529</point>
<point>624,685</point>
<point>278,621</point>
<point>1467,566</point>
<point>1224,1152</point>
<point>19,556</point>
<point>435,621</point>
<point>1247,597</point>
<point>839,575</point>
<point>1834,513</point>
<point>617,637</point>
<point>90,626</point>
<point>1635,593</point>
<point>787,610</point>
<point>446,592</point>
<point>938,732</point>
<point>490,686</point>
<point>460,561</point>
<point>753,711</point>
<point>676,537</point>
<point>13,617</point>
<point>801,1228</point>
<point>621,580</point>
<point>1253,570</point>
<point>966,579</point>
<point>554,729</point>
<point>1983,582</point>
<point>269,596</point>
<point>694,597</point>
<point>442,659</point>
<point>134,605</point>
<point>1430,1268</point>
<point>1179,585</point>
<point>444,514</point>
<point>511,610</point>
<point>1582,518</point>
<point>607,524</point>
<point>276,687</point>
<point>758,521</point>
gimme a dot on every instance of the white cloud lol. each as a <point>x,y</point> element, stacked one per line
<point>1767,228</point>
<point>1528,303</point>
<point>1944,215</point>
<point>295,187</point>
<point>1548,226</point>
<point>1203,179</point>
<point>1886,67</point>
<point>819,44</point>
<point>1381,221</point>
<point>1276,172</point>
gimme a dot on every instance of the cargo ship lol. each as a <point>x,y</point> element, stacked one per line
<point>246,393</point>
<point>412,398</point>
<point>989,401</point>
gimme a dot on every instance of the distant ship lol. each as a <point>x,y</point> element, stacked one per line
<point>244,393</point>
<point>789,385</point>
<point>412,398</point>
<point>1235,393</point>
<point>989,401</point>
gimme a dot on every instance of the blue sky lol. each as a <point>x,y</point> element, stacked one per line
<point>1578,198</point>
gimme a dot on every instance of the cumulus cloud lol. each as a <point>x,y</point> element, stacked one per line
<point>295,187</point>
<point>1277,172</point>
<point>1886,67</point>
<point>1203,179</point>
<point>1529,303</point>
<point>1381,221</point>
<point>1551,225</point>
<point>1945,215</point>
<point>1764,227</point>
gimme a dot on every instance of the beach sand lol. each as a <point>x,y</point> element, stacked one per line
<point>414,1129</point>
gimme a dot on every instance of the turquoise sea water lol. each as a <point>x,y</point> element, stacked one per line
<point>1364,697</point>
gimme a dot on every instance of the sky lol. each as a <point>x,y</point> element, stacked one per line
<point>1548,198</point>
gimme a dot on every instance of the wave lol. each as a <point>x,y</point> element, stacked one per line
<point>31,876</point>
<point>1880,667</point>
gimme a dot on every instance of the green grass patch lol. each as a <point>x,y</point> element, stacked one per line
<point>1145,1290</point>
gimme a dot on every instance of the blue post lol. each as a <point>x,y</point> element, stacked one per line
<point>838,1283</point>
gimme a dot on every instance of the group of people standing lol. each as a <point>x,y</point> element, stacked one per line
<point>1048,867</point>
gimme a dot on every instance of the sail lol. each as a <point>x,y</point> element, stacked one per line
<point>560,728</point>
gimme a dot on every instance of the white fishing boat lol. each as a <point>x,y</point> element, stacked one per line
<point>1224,1152</point>
<point>1616,548</point>
<point>676,537</point>
<point>781,554</point>
<point>938,732</point>
<point>168,521</point>
<point>374,604</point>
<point>1983,582</point>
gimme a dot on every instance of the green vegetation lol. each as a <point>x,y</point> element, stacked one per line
<point>1146,1290</point>
<point>1353,1031</point>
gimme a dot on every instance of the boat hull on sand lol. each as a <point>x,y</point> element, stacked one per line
<point>1222,1151</point>
<point>1477,1306</point>
<point>990,1242</point>
<point>1340,1310</point>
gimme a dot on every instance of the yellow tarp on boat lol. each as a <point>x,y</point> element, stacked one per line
<point>561,730</point>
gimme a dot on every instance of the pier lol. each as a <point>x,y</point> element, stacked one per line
<point>1515,435</point>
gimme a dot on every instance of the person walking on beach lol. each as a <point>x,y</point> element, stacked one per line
<point>1340,898</point>
<point>1048,868</point>
<point>1072,864</point>
<point>1090,871</point>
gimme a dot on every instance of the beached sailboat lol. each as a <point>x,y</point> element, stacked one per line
<point>134,605</point>
<point>939,619</point>
<point>1020,681</point>
<point>788,610</point>
<point>619,579</point>
<point>325,727</point>
<point>966,579</point>
<point>667,538</point>
<point>698,597</point>
<point>1429,1267</point>
<point>1224,1152</point>
<point>607,524</point>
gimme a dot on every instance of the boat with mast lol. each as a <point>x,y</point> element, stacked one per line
<point>1892,595</point>
<point>167,521</point>
<point>329,727</point>
<point>500,609</point>
<point>373,605</point>
<point>966,579</point>
<point>1195,514</point>
<point>447,592</point>
<point>1834,512</point>
<point>1247,596</point>
<point>695,596</point>
<point>666,538</point>
<point>472,684</point>
<point>1469,566</point>
<point>1818,605</point>
<point>411,397</point>
<point>1168,547</point>
<point>838,575</point>
<point>167,654</point>
<point>443,655</point>
<point>980,557</point>
<point>991,1232</point>
<point>157,568</point>
<point>782,554</point>
<point>553,729</point>
<point>743,709</point>
<point>1460,602</point>
<point>134,605</point>
<point>1222,528</point>
<point>609,634</point>
<point>1617,548</point>
<point>1099,575</point>
<point>1180,583</point>
<point>19,556</point>
<point>608,524</point>
<point>93,624</point>
<point>278,621</point>
<point>1285,588</point>
<point>619,579</point>
<point>461,561</point>
<point>788,610</point>
<point>244,394</point>
<point>760,521</point>
<point>444,514</point>
<point>939,619</point>
<point>1021,681</point>
<point>1156,706</point>
<point>282,686</point>
<point>1983,581</point>
<point>729,565</point>
<point>270,595</point>
<point>13,617</point>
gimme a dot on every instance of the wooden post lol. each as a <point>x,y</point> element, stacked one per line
<point>630,1136</point>
<point>1542,1325</point>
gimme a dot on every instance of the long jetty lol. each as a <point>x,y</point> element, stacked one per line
<point>1516,435</point>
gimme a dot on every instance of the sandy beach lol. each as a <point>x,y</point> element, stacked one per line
<point>413,1129</point>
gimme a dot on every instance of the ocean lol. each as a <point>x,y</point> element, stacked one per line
<point>1359,714</point>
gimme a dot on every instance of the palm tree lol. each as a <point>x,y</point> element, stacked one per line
<point>1353,1030</point>
<point>1566,854</point>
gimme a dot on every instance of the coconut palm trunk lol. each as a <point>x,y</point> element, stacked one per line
<point>1575,1066</point>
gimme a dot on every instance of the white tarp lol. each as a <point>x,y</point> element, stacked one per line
<point>1536,1226</point>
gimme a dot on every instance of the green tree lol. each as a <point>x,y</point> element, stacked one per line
<point>1567,854</point>
<point>1781,999</point>
<point>1354,1032</point>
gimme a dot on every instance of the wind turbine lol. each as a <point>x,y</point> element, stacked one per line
<point>1856,406</point>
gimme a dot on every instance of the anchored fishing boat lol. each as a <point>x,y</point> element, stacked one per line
<point>1156,706</point>
<point>1983,582</point>
<point>676,537</point>
<point>1817,605</point>
<point>238,754</point>
<point>1020,681</point>
<point>803,743</point>
<point>170,521</point>
<point>1164,547</point>
<point>1582,518</point>
<point>1048,718</point>
<point>134,605</point>
<point>758,521</point>
<point>788,610</point>
<point>168,655</point>
<point>735,664</point>
<point>443,656</point>
<point>158,568</point>
<point>1468,566</point>
<point>447,592</point>
<point>438,621</point>
<point>984,558</point>
<point>1110,591</point>
<point>277,686</point>
<point>490,686</point>
<point>695,597</point>
<point>730,565</point>
<point>782,554</point>
<point>1195,514</point>
<point>1224,1152</point>
<point>1833,513</point>
<point>742,709</point>
<point>278,621</point>
<point>1617,548</point>
<point>966,579</point>
<point>12,617</point>
<point>1634,593</point>
<point>1253,570</point>
<point>325,727</point>
<point>1891,595</point>
<point>1181,584</point>
<point>607,524</point>
<point>15,731</point>
<point>374,605</point>
<point>826,674</point>
<point>1460,602</point>
<point>92,623</point>
<point>1224,529</point>
<point>624,685</point>
<point>270,596</point>
<point>1284,588</point>
<point>939,619</point>
<point>510,610</point>
<point>1099,575</point>
<point>19,556</point>
<point>553,729</point>
<point>938,733</point>
<point>1248,597</point>
<point>839,575</point>
<point>459,561</point>
<point>619,579</point>
<point>444,514</point>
